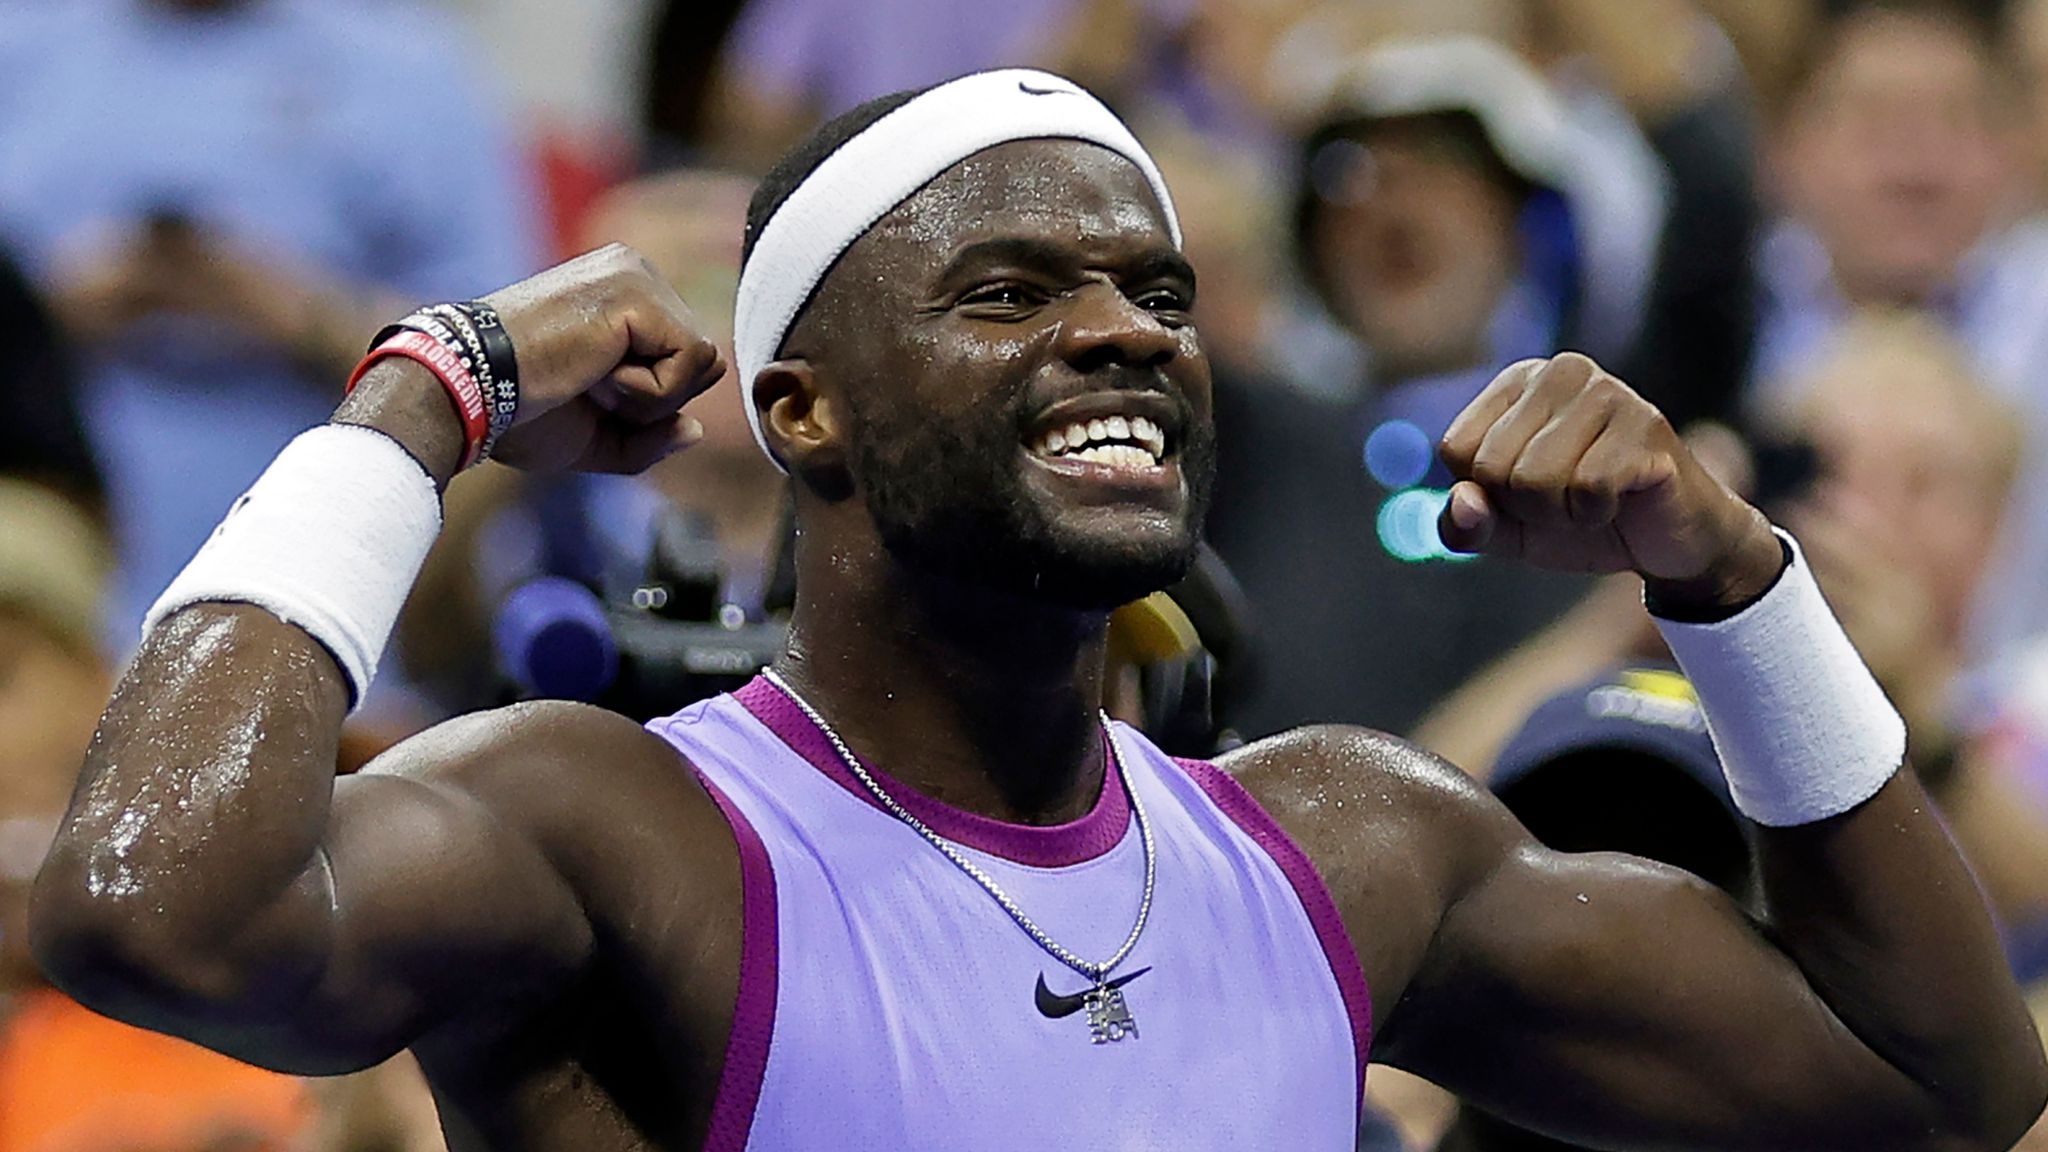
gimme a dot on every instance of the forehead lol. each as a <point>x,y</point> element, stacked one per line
<point>1885,52</point>
<point>1060,190</point>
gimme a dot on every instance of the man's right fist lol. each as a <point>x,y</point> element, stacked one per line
<point>608,355</point>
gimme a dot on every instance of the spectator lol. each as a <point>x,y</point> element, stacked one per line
<point>195,182</point>
<point>1899,168</point>
<point>1896,166</point>
<point>2029,29</point>
<point>690,223</point>
<point>682,58</point>
<point>1914,457</point>
<point>1431,223</point>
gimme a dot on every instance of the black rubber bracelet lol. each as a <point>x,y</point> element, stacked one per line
<point>504,364</point>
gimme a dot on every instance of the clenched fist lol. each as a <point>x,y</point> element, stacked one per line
<point>1562,465</point>
<point>608,355</point>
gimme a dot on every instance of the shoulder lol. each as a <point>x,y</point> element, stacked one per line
<point>1397,834</point>
<point>571,777</point>
<point>1336,780</point>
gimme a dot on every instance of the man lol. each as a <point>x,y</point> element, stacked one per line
<point>1426,204</point>
<point>1899,164</point>
<point>911,892</point>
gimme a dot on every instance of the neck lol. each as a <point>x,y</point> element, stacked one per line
<point>985,701</point>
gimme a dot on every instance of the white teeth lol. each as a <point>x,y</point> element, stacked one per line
<point>1075,441</point>
<point>1116,456</point>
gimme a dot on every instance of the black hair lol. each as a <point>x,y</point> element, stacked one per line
<point>799,162</point>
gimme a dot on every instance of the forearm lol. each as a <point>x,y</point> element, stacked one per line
<point>1864,890</point>
<point>1881,914</point>
<point>195,834</point>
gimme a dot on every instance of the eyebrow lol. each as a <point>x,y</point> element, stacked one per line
<point>1046,256</point>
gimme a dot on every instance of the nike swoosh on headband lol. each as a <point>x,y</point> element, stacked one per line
<point>1054,1006</point>
<point>1025,87</point>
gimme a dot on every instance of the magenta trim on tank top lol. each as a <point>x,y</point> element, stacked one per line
<point>1233,801</point>
<point>753,1014</point>
<point>1051,846</point>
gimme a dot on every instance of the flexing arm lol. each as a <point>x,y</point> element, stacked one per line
<point>1624,1004</point>
<point>1630,1005</point>
<point>214,879</point>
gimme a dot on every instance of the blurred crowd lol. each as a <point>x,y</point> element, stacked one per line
<point>1814,232</point>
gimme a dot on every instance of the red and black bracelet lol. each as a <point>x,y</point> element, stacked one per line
<point>482,333</point>
<point>466,346</point>
<point>433,345</point>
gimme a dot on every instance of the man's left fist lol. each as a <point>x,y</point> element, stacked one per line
<point>1562,465</point>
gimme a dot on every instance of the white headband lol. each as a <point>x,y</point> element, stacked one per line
<point>884,165</point>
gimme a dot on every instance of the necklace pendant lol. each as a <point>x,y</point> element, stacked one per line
<point>1109,1017</point>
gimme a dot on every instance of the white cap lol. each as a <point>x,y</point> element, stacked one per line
<point>1520,114</point>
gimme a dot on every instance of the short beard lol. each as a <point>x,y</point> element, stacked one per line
<point>948,501</point>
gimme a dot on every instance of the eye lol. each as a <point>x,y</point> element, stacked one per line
<point>1164,300</point>
<point>1004,296</point>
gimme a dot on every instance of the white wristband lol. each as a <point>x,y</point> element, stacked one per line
<point>330,538</point>
<point>1801,726</point>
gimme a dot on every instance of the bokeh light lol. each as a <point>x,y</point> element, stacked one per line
<point>1407,526</point>
<point>1398,453</point>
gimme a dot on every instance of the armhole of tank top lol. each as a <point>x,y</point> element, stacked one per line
<point>1310,892</point>
<point>753,1017</point>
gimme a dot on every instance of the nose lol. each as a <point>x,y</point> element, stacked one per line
<point>1103,327</point>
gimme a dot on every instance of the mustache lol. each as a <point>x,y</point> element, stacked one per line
<point>1116,378</point>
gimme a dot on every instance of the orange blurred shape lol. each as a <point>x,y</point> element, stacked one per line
<point>72,1080</point>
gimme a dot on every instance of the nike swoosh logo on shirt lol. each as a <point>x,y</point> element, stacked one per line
<point>1053,1006</point>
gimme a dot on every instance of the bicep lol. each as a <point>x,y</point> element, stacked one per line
<point>421,906</point>
<point>1611,1000</point>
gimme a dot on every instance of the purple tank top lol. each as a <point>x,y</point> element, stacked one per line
<point>886,1002</point>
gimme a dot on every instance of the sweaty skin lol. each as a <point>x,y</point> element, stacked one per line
<point>545,906</point>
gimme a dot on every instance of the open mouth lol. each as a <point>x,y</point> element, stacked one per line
<point>1128,433</point>
<point>1120,442</point>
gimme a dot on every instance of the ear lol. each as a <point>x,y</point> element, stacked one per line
<point>802,424</point>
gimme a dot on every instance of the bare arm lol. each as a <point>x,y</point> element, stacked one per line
<point>1624,1004</point>
<point>214,879</point>
<point>1871,1009</point>
<point>1617,1003</point>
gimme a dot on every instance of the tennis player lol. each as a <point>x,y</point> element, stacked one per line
<point>911,889</point>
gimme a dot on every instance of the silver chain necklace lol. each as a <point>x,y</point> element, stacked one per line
<point>1109,1017</point>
